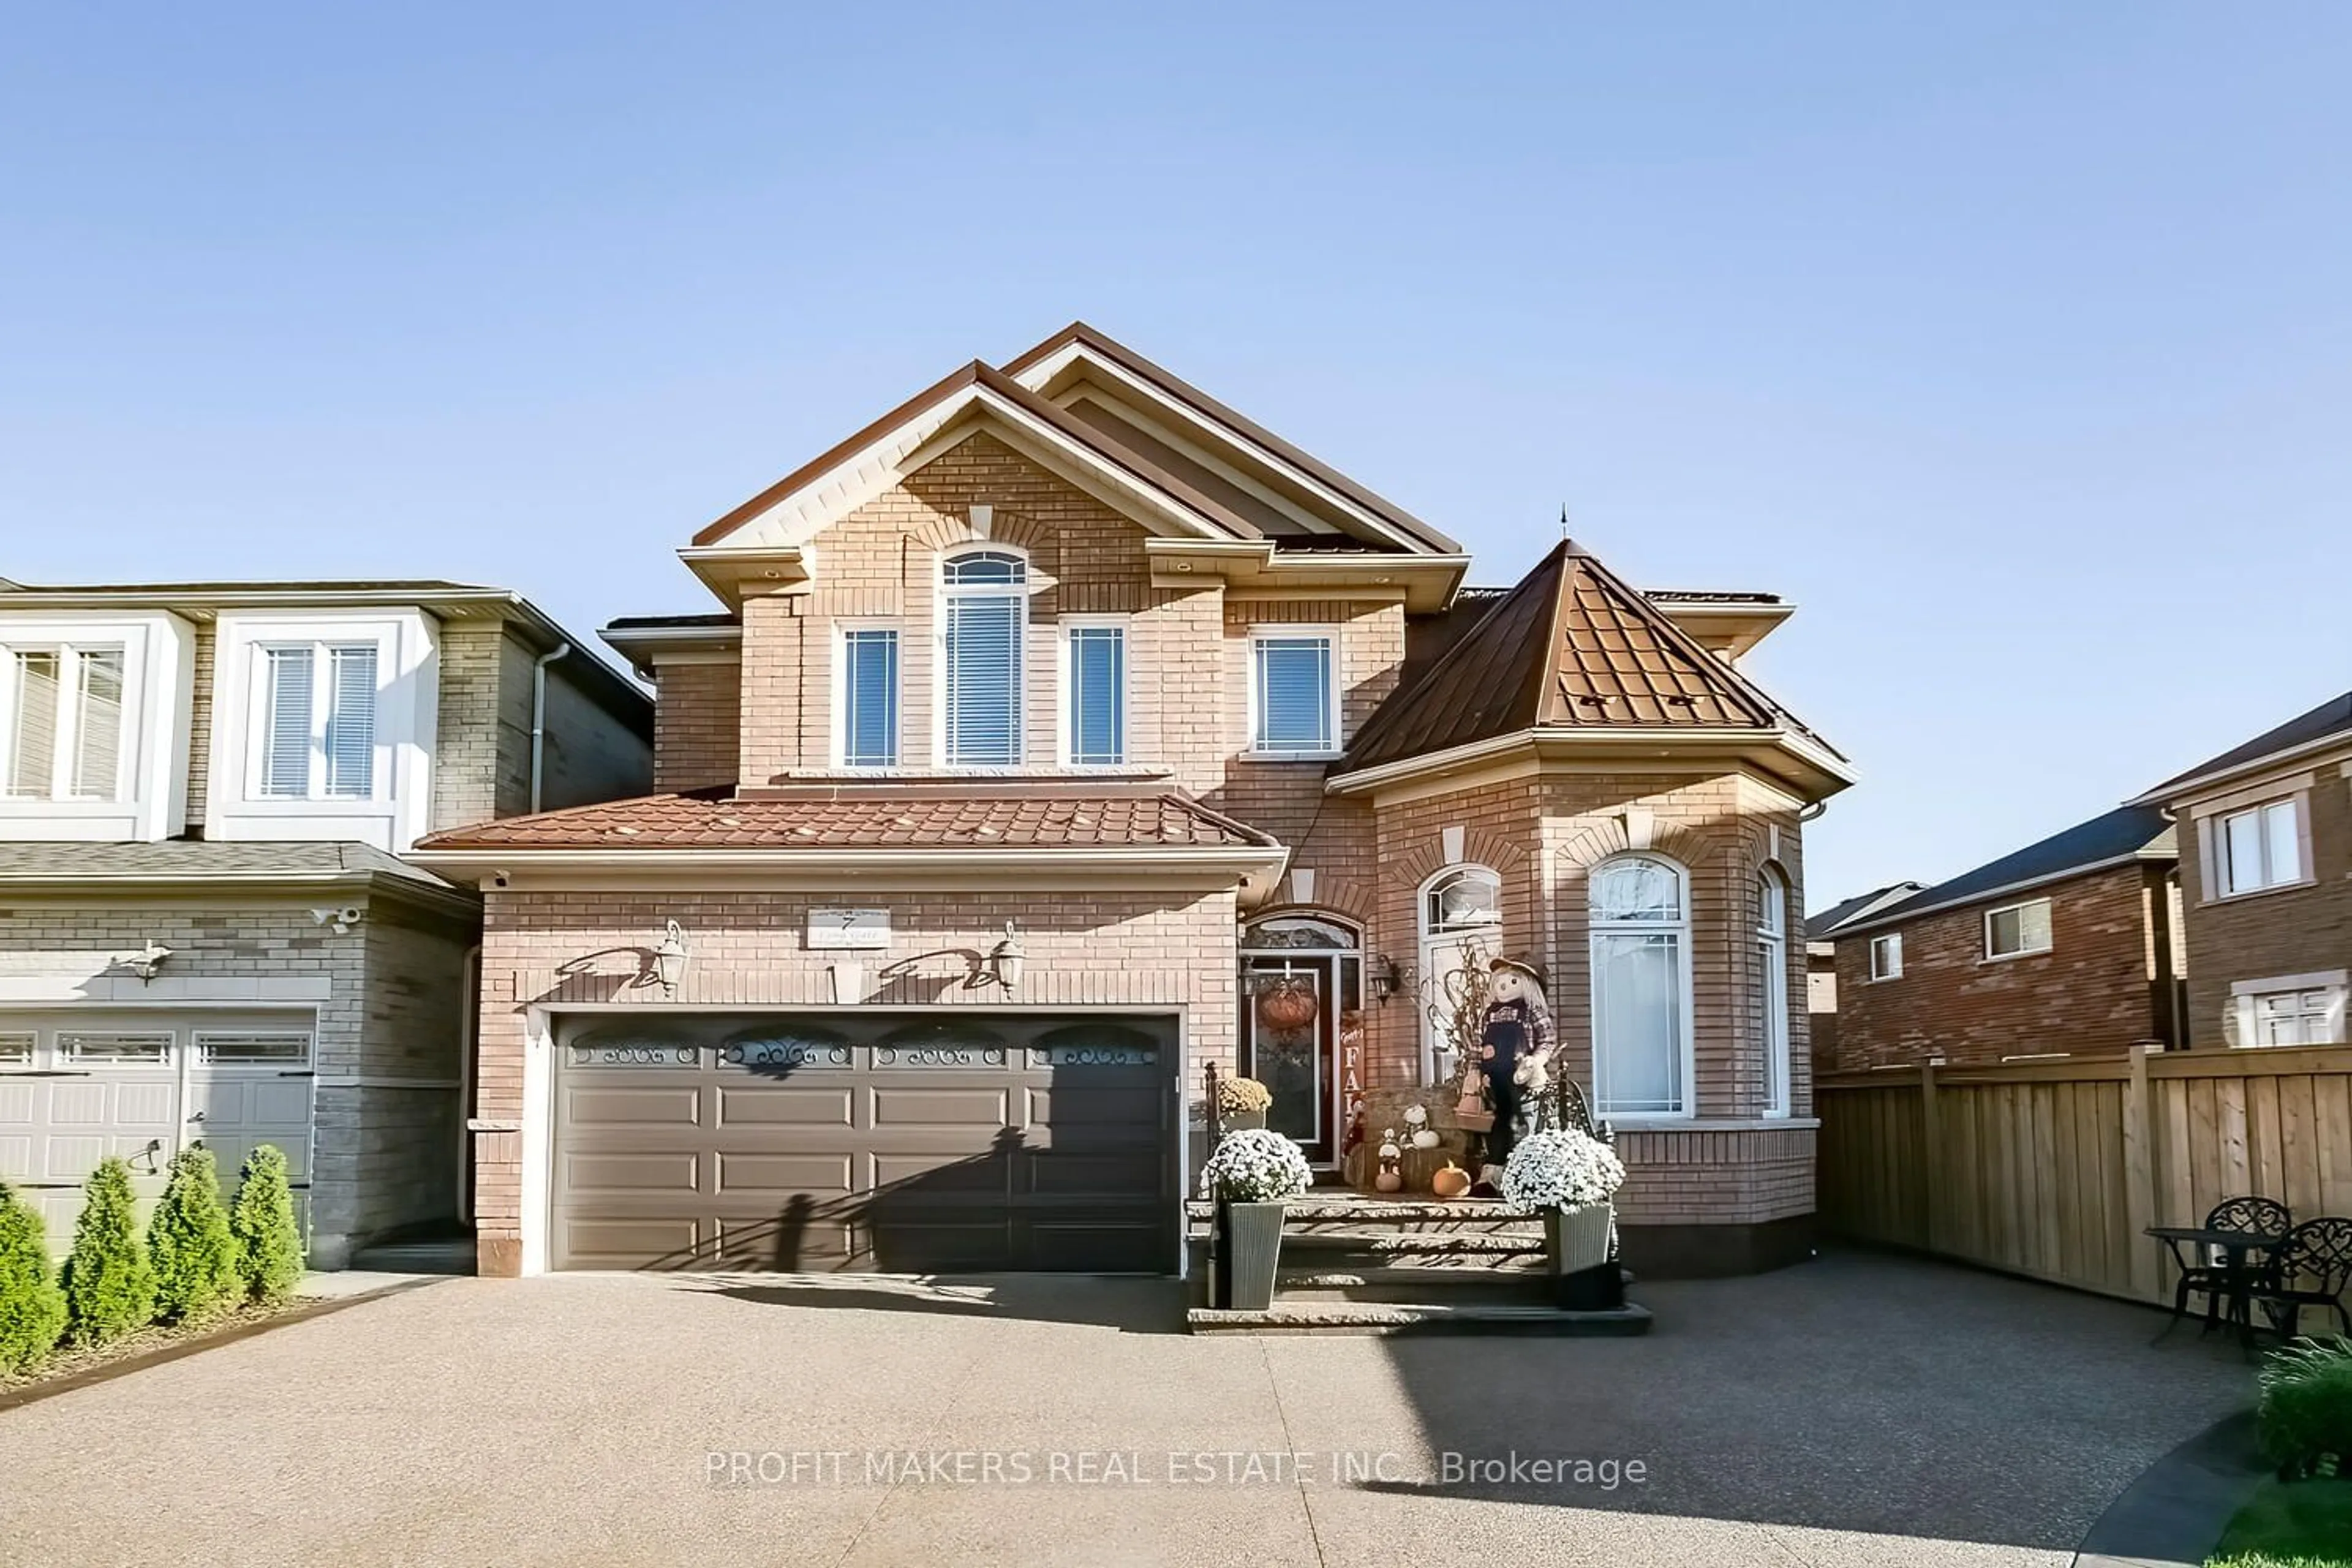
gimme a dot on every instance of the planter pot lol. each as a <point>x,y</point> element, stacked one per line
<point>1578,1240</point>
<point>1236,1120</point>
<point>1251,1245</point>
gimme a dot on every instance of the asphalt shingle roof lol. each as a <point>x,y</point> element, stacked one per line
<point>198,859</point>
<point>2330,718</point>
<point>2111,835</point>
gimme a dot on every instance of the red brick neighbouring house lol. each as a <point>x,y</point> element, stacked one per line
<point>2069,945</point>
<point>1063,732</point>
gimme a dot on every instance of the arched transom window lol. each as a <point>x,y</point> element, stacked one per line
<point>983,614</point>
<point>1639,908</point>
<point>1772,962</point>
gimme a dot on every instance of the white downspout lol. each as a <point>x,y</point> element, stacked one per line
<point>539,717</point>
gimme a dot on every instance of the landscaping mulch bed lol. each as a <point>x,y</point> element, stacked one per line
<point>73,1366</point>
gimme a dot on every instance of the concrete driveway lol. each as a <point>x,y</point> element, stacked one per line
<point>1859,1409</point>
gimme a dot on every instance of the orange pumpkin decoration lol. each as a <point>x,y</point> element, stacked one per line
<point>1287,1005</point>
<point>1451,1182</point>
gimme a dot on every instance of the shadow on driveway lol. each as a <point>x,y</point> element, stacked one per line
<point>1131,1305</point>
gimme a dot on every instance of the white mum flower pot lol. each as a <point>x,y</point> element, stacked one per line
<point>1578,1239</point>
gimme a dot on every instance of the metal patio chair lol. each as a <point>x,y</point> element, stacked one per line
<point>2312,1270</point>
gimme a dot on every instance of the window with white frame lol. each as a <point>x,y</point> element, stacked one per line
<point>1887,956</point>
<point>2261,848</point>
<point>1640,910</point>
<point>315,736</point>
<point>1772,956</point>
<point>65,736</point>
<point>867,697</point>
<point>252,1048</point>
<point>1461,931</point>
<point>1095,684</point>
<point>2289,1010</point>
<point>1293,692</point>
<point>127,1049</point>
<point>2018,930</point>
<point>17,1048</point>
<point>983,618</point>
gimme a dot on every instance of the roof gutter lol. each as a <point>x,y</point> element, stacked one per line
<point>2198,782</point>
<point>1667,738</point>
<point>933,865</point>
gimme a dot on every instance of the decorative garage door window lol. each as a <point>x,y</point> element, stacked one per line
<point>17,1050</point>
<point>278,1048</point>
<point>619,1049</point>
<point>941,1045</point>
<point>1093,1045</point>
<point>790,1046</point>
<point>128,1050</point>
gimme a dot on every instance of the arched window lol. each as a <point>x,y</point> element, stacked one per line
<point>1461,931</point>
<point>1639,907</point>
<point>1772,957</point>
<point>984,616</point>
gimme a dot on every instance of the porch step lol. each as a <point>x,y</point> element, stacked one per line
<point>437,1255</point>
<point>1500,1282</point>
<point>1464,1244</point>
<point>1407,1318</point>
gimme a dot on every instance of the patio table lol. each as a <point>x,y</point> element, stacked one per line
<point>2240,1270</point>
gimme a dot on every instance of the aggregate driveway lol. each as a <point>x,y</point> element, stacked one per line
<point>1857,1410</point>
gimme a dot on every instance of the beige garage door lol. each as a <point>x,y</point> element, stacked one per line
<point>900,1143</point>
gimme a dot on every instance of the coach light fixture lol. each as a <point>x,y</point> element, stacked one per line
<point>146,961</point>
<point>1009,958</point>
<point>669,958</point>
<point>1387,978</point>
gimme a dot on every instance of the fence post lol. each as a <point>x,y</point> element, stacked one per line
<point>1931,1158</point>
<point>2140,1181</point>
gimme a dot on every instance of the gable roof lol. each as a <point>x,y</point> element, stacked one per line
<point>1078,334</point>
<point>1837,914</point>
<point>2127,833</point>
<point>1571,646</point>
<point>2332,719</point>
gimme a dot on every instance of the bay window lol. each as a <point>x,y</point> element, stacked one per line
<point>1640,912</point>
<point>1461,932</point>
<point>1772,956</point>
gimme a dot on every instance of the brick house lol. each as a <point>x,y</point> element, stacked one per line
<point>2069,945</point>
<point>2266,853</point>
<point>206,930</point>
<point>1063,732</point>
<point>1821,964</point>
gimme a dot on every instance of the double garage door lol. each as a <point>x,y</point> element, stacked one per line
<point>888,1143</point>
<point>77,1085</point>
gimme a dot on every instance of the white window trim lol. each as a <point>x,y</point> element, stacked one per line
<point>1992,957</point>
<point>151,796</point>
<point>1893,970</point>
<point>1433,942</point>
<point>1772,950</point>
<point>842,626</point>
<point>1331,694</point>
<point>399,808</point>
<point>1595,929</point>
<point>2214,846</point>
<point>1066,719</point>
<point>2244,994</point>
<point>322,699</point>
<point>942,592</point>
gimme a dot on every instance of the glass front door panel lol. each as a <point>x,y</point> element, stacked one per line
<point>1289,1026</point>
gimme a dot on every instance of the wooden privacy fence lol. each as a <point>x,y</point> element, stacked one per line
<point>2055,1168</point>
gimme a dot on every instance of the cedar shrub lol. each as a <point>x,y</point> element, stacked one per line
<point>268,1237</point>
<point>109,1287</point>
<point>195,1257</point>
<point>32,1308</point>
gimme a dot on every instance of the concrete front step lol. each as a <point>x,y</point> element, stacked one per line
<point>1409,1318</point>
<point>1434,1243</point>
<point>1356,1210</point>
<point>1503,1282</point>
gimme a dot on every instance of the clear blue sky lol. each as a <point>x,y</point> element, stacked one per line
<point>2014,341</point>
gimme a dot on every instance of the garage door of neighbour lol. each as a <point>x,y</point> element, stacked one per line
<point>75,1087</point>
<point>866,1142</point>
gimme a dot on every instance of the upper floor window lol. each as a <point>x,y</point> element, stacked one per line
<point>1293,692</point>
<point>317,735</point>
<point>2018,930</point>
<point>2261,848</point>
<point>65,733</point>
<point>867,700</point>
<point>983,618</point>
<point>1640,912</point>
<point>1772,956</point>
<point>1887,956</point>
<point>1095,664</point>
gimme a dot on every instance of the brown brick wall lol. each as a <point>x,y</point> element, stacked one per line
<point>698,724</point>
<point>2286,931</point>
<point>2089,994</point>
<point>1732,1176</point>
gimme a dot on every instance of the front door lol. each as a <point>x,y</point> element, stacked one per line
<point>1301,1025</point>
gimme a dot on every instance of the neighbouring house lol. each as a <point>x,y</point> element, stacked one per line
<point>206,930</point>
<point>2266,852</point>
<point>1821,964</point>
<point>2068,946</point>
<point>1063,732</point>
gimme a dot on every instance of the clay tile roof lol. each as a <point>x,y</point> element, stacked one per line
<point>1018,814</point>
<point>1571,646</point>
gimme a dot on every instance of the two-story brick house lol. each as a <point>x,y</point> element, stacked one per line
<point>2071,945</point>
<point>2266,873</point>
<point>1063,732</point>
<point>206,930</point>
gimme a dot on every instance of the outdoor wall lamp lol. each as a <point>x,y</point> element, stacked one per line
<point>1008,958</point>
<point>146,961</point>
<point>669,958</point>
<point>1387,979</point>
